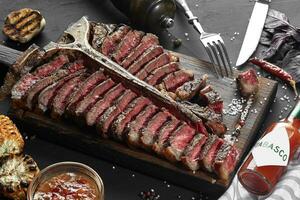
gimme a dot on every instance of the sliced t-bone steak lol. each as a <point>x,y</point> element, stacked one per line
<point>178,141</point>
<point>97,110</point>
<point>46,96</point>
<point>128,43</point>
<point>133,109</point>
<point>158,62</point>
<point>111,42</point>
<point>146,57</point>
<point>149,132</point>
<point>104,122</point>
<point>209,151</point>
<point>28,80</point>
<point>85,88</point>
<point>176,79</point>
<point>225,161</point>
<point>59,103</point>
<point>134,127</point>
<point>158,74</point>
<point>147,41</point>
<point>85,105</point>
<point>49,68</point>
<point>164,135</point>
<point>191,154</point>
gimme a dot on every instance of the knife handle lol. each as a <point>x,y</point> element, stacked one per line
<point>8,56</point>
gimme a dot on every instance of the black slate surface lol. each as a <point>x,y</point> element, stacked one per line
<point>226,17</point>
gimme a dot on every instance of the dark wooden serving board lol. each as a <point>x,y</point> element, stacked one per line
<point>85,140</point>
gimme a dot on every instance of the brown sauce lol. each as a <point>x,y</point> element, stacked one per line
<point>67,186</point>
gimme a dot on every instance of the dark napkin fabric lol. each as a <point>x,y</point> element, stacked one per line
<point>280,43</point>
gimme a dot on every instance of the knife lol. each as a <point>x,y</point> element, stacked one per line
<point>254,30</point>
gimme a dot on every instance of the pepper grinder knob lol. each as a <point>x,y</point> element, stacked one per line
<point>167,22</point>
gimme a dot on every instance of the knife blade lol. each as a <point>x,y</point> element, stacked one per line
<point>254,30</point>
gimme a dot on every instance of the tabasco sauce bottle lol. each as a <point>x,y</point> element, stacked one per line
<point>270,156</point>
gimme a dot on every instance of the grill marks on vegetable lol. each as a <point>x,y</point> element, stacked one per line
<point>117,111</point>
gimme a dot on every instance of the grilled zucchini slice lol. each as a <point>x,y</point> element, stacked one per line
<point>22,25</point>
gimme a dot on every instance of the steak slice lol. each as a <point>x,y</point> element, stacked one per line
<point>147,41</point>
<point>48,68</point>
<point>23,85</point>
<point>96,111</point>
<point>28,80</point>
<point>176,79</point>
<point>59,103</point>
<point>133,109</point>
<point>85,88</point>
<point>191,154</point>
<point>225,161</point>
<point>164,134</point>
<point>134,127</point>
<point>211,98</point>
<point>158,74</point>
<point>111,42</point>
<point>85,105</point>
<point>158,62</point>
<point>129,42</point>
<point>189,89</point>
<point>209,151</point>
<point>146,57</point>
<point>110,114</point>
<point>178,141</point>
<point>46,97</point>
<point>149,132</point>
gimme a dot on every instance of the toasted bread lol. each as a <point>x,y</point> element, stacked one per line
<point>23,25</point>
<point>16,173</point>
<point>11,141</point>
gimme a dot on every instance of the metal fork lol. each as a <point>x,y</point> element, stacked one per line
<point>213,43</point>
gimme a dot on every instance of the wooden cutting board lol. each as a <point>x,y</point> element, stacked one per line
<point>86,140</point>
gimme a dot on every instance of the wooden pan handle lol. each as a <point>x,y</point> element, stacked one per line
<point>8,56</point>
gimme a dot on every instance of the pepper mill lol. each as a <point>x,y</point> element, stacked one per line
<point>151,15</point>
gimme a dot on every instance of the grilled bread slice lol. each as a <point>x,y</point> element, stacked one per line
<point>11,141</point>
<point>22,25</point>
<point>16,173</point>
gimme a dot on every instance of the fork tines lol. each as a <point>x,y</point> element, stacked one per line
<point>217,53</point>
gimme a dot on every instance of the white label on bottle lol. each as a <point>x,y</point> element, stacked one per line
<point>272,149</point>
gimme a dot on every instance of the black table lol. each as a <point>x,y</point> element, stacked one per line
<point>229,17</point>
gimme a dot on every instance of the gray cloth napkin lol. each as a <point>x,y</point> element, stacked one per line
<point>288,188</point>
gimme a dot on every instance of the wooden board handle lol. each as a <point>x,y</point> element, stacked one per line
<point>8,56</point>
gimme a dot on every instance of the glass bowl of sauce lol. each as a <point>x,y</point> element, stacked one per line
<point>66,180</point>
